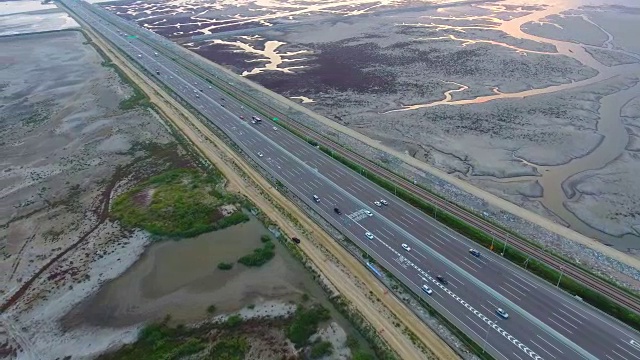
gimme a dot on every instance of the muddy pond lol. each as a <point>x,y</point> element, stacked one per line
<point>181,278</point>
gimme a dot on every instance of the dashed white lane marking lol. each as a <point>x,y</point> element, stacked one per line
<point>565,329</point>
<point>548,343</point>
<point>627,351</point>
<point>454,278</point>
<point>508,292</point>
<point>575,312</point>
<point>563,320</point>
<point>619,356</point>
<point>488,321</point>
<point>514,289</point>
<point>543,349</point>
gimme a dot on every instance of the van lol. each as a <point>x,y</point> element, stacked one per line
<point>316,198</point>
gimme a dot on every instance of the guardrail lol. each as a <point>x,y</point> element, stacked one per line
<point>553,261</point>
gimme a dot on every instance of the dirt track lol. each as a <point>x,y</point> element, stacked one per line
<point>347,283</point>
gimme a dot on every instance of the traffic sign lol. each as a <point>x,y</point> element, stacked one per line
<point>275,119</point>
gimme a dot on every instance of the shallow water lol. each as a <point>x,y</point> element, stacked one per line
<point>181,278</point>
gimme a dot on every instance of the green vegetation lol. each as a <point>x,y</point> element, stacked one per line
<point>259,256</point>
<point>265,238</point>
<point>357,352</point>
<point>138,98</point>
<point>225,266</point>
<point>178,203</point>
<point>229,349</point>
<point>211,309</point>
<point>320,349</point>
<point>588,295</point>
<point>305,323</point>
<point>233,321</point>
<point>158,341</point>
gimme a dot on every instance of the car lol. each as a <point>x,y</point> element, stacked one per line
<point>442,280</point>
<point>222,98</point>
<point>384,202</point>
<point>503,314</point>
<point>427,289</point>
<point>377,203</point>
<point>295,240</point>
<point>260,154</point>
<point>337,211</point>
<point>316,198</point>
<point>275,128</point>
<point>241,117</point>
<point>253,121</point>
<point>369,213</point>
<point>222,105</point>
<point>369,235</point>
<point>197,95</point>
<point>474,252</point>
<point>209,87</point>
<point>170,77</point>
<point>201,90</point>
<point>406,247</point>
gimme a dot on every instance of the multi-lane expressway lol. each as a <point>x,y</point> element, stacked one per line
<point>543,323</point>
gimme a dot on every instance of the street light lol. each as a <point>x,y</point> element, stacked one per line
<point>506,241</point>
<point>486,335</point>
<point>560,278</point>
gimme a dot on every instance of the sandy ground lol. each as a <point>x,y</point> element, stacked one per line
<point>63,136</point>
<point>350,278</point>
<point>357,69</point>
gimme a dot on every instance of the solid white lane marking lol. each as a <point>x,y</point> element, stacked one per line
<point>627,351</point>
<point>543,349</point>
<point>466,259</point>
<point>565,329</point>
<point>508,292</point>
<point>488,321</point>
<point>563,319</point>
<point>469,266</point>
<point>548,343</point>
<point>407,220</point>
<point>516,355</point>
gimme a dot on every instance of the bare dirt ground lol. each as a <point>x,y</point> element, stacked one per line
<point>345,273</point>
<point>64,144</point>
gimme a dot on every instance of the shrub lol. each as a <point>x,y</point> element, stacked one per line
<point>305,323</point>
<point>225,266</point>
<point>321,349</point>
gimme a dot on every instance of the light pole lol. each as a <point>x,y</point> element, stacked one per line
<point>486,335</point>
<point>560,278</point>
<point>506,241</point>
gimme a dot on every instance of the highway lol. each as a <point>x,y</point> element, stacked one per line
<point>543,323</point>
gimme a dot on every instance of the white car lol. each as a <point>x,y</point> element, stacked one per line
<point>260,154</point>
<point>377,203</point>
<point>369,235</point>
<point>503,314</point>
<point>275,128</point>
<point>209,87</point>
<point>427,289</point>
<point>406,247</point>
<point>384,202</point>
<point>369,213</point>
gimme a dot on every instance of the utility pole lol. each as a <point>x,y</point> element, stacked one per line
<point>526,263</point>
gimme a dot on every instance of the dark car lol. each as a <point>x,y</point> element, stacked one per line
<point>337,211</point>
<point>295,240</point>
<point>442,280</point>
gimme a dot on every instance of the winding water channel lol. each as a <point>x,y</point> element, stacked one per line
<point>610,126</point>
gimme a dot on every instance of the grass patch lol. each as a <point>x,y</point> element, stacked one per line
<point>233,321</point>
<point>259,256</point>
<point>158,341</point>
<point>211,309</point>
<point>229,349</point>
<point>320,349</point>
<point>265,238</point>
<point>178,203</point>
<point>305,323</point>
<point>225,266</point>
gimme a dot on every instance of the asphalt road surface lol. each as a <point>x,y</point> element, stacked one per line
<point>543,322</point>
